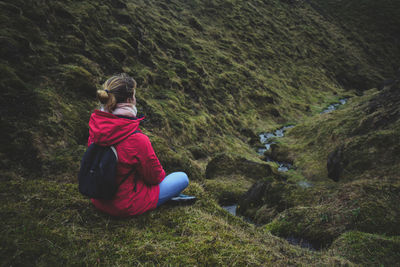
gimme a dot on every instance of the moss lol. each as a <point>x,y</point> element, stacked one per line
<point>173,161</point>
<point>309,223</point>
<point>311,145</point>
<point>368,249</point>
<point>48,222</point>
<point>345,17</point>
<point>79,80</point>
<point>198,152</point>
<point>206,72</point>
<point>228,189</point>
<point>321,213</point>
<point>116,51</point>
<point>225,164</point>
<point>367,187</point>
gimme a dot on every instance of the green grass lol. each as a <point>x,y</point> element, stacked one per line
<point>364,197</point>
<point>211,76</point>
<point>205,71</point>
<point>368,249</point>
<point>49,223</point>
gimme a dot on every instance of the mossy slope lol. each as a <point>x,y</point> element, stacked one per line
<point>364,193</point>
<point>368,249</point>
<point>48,223</point>
<point>211,75</point>
<point>207,71</point>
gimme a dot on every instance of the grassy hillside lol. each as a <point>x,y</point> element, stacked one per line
<point>371,25</point>
<point>346,178</point>
<point>211,76</point>
<point>48,223</point>
<point>208,72</point>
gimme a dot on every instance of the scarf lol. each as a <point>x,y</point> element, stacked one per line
<point>124,109</point>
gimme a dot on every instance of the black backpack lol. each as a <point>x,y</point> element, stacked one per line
<point>98,171</point>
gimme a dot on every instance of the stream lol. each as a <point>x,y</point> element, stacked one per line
<point>292,240</point>
<point>267,139</point>
<point>334,106</point>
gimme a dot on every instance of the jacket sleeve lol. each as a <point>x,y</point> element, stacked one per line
<point>151,170</point>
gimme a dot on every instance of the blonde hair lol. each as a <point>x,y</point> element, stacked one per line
<point>116,89</point>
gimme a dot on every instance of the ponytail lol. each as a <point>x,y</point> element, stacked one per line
<point>116,90</point>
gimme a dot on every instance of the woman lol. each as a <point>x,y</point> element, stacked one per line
<point>116,124</point>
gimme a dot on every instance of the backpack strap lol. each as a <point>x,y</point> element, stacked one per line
<point>126,177</point>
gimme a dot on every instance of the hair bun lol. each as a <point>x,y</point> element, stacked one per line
<point>103,96</point>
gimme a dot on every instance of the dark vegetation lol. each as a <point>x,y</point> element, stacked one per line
<point>212,75</point>
<point>359,145</point>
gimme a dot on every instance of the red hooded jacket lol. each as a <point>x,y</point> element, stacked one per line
<point>134,151</point>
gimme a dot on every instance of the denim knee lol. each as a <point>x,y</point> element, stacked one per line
<point>185,178</point>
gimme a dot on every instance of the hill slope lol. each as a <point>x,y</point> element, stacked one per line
<point>211,75</point>
<point>207,71</point>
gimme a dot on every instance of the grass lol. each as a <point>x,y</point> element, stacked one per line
<point>211,76</point>
<point>368,249</point>
<point>47,222</point>
<point>363,199</point>
<point>201,80</point>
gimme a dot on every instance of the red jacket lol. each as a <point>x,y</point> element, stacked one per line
<point>134,150</point>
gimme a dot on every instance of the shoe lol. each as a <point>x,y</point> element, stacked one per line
<point>184,198</point>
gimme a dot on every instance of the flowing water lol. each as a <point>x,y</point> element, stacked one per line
<point>304,184</point>
<point>334,106</point>
<point>267,139</point>
<point>231,209</point>
<point>292,240</point>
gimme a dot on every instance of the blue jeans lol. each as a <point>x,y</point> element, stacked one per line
<point>171,186</point>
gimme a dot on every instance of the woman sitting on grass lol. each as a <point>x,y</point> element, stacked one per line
<point>116,124</point>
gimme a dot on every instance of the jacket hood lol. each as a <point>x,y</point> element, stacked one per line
<point>106,129</point>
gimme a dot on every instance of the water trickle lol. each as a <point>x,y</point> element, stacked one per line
<point>266,140</point>
<point>304,184</point>
<point>292,240</point>
<point>231,209</point>
<point>284,166</point>
<point>334,106</point>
